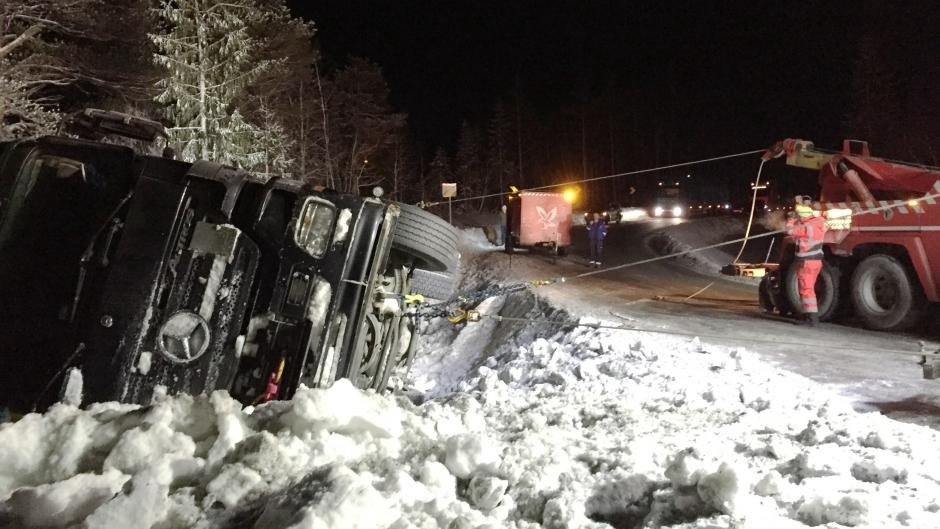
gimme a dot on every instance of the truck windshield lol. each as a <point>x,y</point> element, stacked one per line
<point>57,200</point>
<point>44,168</point>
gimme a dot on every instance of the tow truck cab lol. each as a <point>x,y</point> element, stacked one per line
<point>145,272</point>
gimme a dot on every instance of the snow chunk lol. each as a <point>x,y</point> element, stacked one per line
<point>342,225</point>
<point>725,489</point>
<point>880,468</point>
<point>232,485</point>
<point>143,506</point>
<point>67,502</point>
<point>344,500</point>
<point>144,362</point>
<point>846,510</point>
<point>319,302</point>
<point>469,452</point>
<point>345,409</point>
<point>438,479</point>
<point>486,492</point>
<point>72,394</point>
<point>141,446</point>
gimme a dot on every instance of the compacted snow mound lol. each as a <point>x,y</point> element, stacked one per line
<point>584,429</point>
<point>702,232</point>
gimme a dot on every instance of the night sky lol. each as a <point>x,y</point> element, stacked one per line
<point>744,74</point>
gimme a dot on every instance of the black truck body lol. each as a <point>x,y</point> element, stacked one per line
<point>145,272</point>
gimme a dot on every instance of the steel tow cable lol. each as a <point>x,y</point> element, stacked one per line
<point>455,309</point>
<point>809,346</point>
<point>605,177</point>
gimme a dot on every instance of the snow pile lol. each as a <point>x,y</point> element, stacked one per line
<point>702,232</point>
<point>585,428</point>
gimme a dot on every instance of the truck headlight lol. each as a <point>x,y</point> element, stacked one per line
<point>315,226</point>
<point>657,211</point>
<point>676,211</point>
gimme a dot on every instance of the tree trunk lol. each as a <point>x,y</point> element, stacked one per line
<point>200,54</point>
<point>326,130</point>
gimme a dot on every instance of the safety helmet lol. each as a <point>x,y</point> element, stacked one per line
<point>804,211</point>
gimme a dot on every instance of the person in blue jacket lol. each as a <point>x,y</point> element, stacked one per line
<point>597,230</point>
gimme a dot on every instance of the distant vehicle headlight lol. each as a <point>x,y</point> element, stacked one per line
<point>315,226</point>
<point>727,206</point>
<point>658,211</point>
<point>676,211</point>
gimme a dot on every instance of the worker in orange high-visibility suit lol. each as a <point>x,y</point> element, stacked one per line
<point>807,231</point>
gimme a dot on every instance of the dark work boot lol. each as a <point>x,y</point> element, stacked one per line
<point>812,319</point>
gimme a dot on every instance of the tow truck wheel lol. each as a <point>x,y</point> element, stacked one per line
<point>886,294</point>
<point>827,290</point>
<point>765,296</point>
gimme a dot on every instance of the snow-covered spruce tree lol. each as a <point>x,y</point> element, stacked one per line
<point>208,52</point>
<point>262,149</point>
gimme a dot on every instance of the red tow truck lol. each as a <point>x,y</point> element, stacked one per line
<point>886,266</point>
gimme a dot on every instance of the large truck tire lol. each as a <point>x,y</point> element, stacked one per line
<point>886,294</point>
<point>427,237</point>
<point>439,286</point>
<point>828,291</point>
<point>765,296</point>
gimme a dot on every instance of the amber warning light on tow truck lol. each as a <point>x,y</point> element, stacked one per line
<point>570,195</point>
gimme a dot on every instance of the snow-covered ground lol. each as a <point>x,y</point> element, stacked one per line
<point>524,425</point>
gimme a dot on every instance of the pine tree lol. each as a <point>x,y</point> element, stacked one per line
<point>469,168</point>
<point>500,147</point>
<point>208,56</point>
<point>441,170</point>
<point>359,126</point>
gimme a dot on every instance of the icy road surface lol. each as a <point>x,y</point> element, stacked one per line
<point>527,427</point>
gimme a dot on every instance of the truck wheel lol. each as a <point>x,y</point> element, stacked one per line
<point>886,294</point>
<point>428,238</point>
<point>435,285</point>
<point>827,291</point>
<point>764,296</point>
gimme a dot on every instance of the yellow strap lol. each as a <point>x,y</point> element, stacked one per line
<point>411,299</point>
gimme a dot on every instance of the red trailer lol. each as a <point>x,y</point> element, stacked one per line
<point>537,219</point>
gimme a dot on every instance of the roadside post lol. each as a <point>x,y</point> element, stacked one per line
<point>449,191</point>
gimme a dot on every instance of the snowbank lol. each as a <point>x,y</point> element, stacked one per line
<point>589,426</point>
<point>701,232</point>
<point>532,425</point>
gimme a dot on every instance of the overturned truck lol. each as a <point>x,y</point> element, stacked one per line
<point>121,273</point>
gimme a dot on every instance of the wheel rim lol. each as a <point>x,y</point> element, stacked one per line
<point>371,351</point>
<point>882,292</point>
